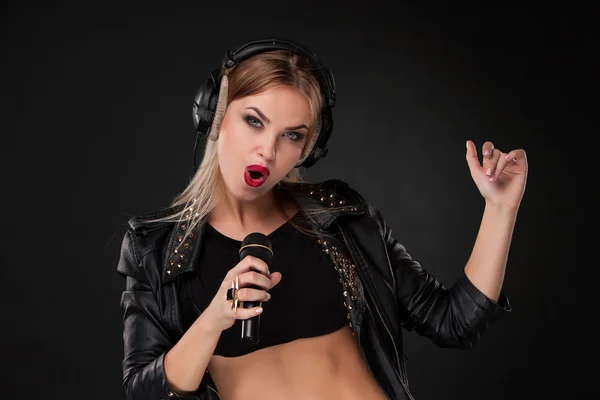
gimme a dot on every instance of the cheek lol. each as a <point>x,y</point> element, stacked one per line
<point>286,163</point>
<point>230,139</point>
<point>232,148</point>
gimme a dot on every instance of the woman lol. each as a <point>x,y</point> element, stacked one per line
<point>339,289</point>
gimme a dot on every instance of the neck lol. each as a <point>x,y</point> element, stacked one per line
<point>248,214</point>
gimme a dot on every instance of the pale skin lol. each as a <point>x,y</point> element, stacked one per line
<point>501,179</point>
<point>328,366</point>
<point>255,130</point>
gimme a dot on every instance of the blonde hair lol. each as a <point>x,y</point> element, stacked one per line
<point>254,75</point>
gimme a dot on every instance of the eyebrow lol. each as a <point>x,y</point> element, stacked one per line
<point>263,116</point>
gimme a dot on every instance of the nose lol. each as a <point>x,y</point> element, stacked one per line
<point>267,149</point>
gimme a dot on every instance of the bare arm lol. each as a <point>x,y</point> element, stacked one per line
<point>487,264</point>
<point>501,180</point>
<point>186,362</point>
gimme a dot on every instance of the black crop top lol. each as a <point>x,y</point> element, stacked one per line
<point>307,302</point>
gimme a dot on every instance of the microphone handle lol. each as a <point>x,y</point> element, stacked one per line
<point>250,326</point>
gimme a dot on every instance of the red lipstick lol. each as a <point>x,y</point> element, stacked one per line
<point>255,175</point>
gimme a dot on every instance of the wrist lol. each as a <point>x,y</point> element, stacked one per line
<point>208,323</point>
<point>502,209</point>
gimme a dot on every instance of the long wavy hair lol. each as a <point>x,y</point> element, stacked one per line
<point>252,76</point>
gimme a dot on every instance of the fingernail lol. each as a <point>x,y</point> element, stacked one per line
<point>488,172</point>
<point>506,157</point>
<point>486,152</point>
<point>492,179</point>
<point>268,296</point>
<point>259,310</point>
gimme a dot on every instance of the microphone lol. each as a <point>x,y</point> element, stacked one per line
<point>256,245</point>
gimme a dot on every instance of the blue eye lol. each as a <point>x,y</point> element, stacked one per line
<point>295,136</point>
<point>253,121</point>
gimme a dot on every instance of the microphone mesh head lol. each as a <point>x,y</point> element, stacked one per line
<point>257,245</point>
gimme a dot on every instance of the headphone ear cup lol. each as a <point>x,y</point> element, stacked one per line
<point>319,149</point>
<point>205,103</point>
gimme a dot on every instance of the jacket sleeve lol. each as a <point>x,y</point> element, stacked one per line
<point>451,317</point>
<point>144,337</point>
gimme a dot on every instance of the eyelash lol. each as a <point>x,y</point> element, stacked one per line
<point>250,118</point>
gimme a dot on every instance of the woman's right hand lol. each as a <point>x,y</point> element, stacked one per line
<point>252,271</point>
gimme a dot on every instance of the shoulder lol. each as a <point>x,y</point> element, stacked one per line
<point>356,197</point>
<point>145,222</point>
<point>351,193</point>
<point>331,187</point>
<point>145,235</point>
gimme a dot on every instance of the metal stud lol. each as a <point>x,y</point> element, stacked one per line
<point>347,272</point>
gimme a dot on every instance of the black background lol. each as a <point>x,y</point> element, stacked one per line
<point>97,127</point>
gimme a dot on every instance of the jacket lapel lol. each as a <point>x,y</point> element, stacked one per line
<point>322,202</point>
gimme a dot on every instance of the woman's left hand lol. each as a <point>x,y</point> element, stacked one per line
<point>500,177</point>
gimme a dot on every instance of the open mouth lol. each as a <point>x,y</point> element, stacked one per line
<point>255,174</point>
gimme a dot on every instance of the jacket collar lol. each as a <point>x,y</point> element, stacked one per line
<point>331,199</point>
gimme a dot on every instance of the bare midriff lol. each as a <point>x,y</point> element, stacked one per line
<point>318,368</point>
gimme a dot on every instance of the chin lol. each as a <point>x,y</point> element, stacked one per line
<point>243,192</point>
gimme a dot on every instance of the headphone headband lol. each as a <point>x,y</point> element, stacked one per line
<point>326,79</point>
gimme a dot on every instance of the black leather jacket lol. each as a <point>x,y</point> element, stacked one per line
<point>386,291</point>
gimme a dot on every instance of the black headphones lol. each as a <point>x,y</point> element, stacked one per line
<point>206,99</point>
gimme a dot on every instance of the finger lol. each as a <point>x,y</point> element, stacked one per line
<point>245,313</point>
<point>490,162</point>
<point>487,149</point>
<point>253,278</point>
<point>249,294</point>
<point>502,163</point>
<point>275,278</point>
<point>249,263</point>
<point>471,157</point>
<point>516,155</point>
